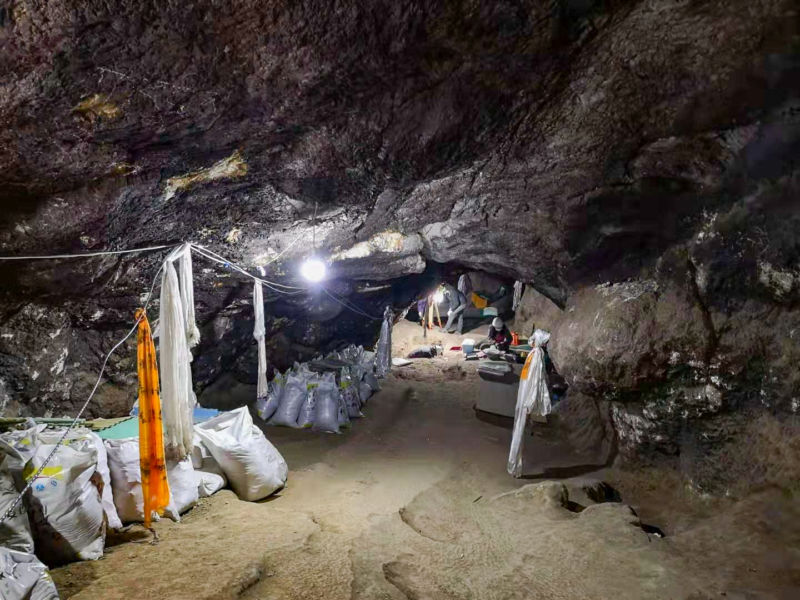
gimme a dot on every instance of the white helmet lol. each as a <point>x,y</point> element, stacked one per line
<point>497,323</point>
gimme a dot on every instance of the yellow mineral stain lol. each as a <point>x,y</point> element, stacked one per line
<point>98,106</point>
<point>227,168</point>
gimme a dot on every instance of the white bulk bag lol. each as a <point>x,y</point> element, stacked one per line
<point>64,503</point>
<point>24,577</point>
<point>254,468</point>
<point>532,398</point>
<point>126,482</point>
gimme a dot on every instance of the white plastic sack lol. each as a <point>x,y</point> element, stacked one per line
<point>64,503</point>
<point>24,577</point>
<point>306,417</point>
<point>126,481</point>
<point>106,494</point>
<point>364,392</point>
<point>177,397</point>
<point>383,352</point>
<point>204,461</point>
<point>208,484</point>
<point>15,532</point>
<point>326,416</point>
<point>294,395</point>
<point>253,466</point>
<point>266,407</point>
<point>351,395</point>
<point>258,333</point>
<point>532,398</point>
<point>183,486</point>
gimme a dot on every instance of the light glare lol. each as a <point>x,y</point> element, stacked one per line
<point>313,270</point>
<point>438,297</point>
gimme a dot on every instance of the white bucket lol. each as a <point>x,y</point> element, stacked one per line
<point>468,345</point>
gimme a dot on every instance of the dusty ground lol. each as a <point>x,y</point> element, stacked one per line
<point>414,503</point>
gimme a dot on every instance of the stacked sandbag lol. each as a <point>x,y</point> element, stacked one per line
<point>266,407</point>
<point>292,400</point>
<point>253,466</point>
<point>327,405</point>
<point>211,477</point>
<point>126,481</point>
<point>15,531</point>
<point>24,577</point>
<point>65,506</point>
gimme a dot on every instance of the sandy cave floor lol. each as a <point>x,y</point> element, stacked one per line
<point>414,503</point>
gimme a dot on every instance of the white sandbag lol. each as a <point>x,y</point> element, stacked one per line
<point>203,461</point>
<point>342,415</point>
<point>126,482</point>
<point>183,487</point>
<point>208,484</point>
<point>106,493</point>
<point>266,407</point>
<point>24,577</point>
<point>294,395</point>
<point>64,504</point>
<point>364,392</point>
<point>350,393</point>
<point>326,416</point>
<point>372,381</point>
<point>306,417</point>
<point>253,466</point>
<point>15,531</point>
<point>532,398</point>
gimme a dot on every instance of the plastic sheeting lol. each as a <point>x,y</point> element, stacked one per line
<point>24,577</point>
<point>518,287</point>
<point>177,396</point>
<point>383,353</point>
<point>532,398</point>
<point>465,285</point>
<point>259,333</point>
<point>153,464</point>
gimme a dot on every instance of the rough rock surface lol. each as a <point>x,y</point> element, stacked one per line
<point>634,160</point>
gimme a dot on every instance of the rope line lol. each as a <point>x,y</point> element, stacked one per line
<point>349,305</point>
<point>86,254</point>
<point>272,285</point>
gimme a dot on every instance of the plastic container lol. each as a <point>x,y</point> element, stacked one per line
<point>468,345</point>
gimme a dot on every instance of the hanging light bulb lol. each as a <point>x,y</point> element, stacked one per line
<point>313,269</point>
<point>438,297</point>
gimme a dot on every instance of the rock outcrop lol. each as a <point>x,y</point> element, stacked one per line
<point>634,161</point>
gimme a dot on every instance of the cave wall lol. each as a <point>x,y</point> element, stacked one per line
<point>635,161</point>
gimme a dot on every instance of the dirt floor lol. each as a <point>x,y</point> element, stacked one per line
<point>413,502</point>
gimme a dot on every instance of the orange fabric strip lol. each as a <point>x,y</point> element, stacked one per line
<point>155,487</point>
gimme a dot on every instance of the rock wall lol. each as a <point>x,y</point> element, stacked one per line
<point>633,160</point>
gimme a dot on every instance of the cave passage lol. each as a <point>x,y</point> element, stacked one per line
<point>399,300</point>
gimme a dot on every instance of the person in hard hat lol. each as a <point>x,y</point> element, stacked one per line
<point>456,302</point>
<point>500,335</point>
